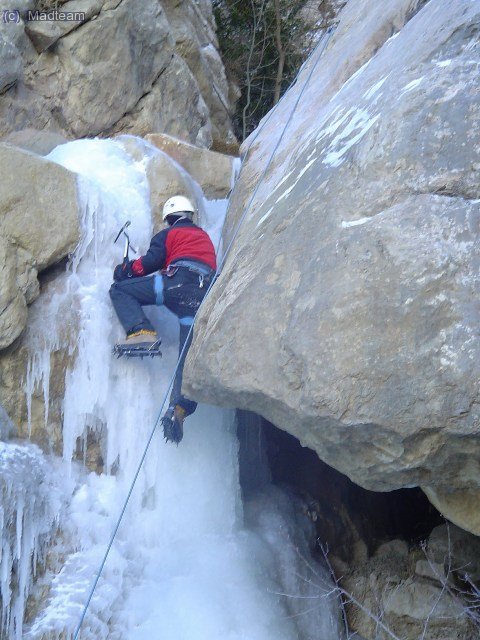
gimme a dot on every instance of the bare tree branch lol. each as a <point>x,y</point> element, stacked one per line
<point>281,51</point>
<point>256,20</point>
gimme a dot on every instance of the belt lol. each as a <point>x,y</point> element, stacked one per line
<point>195,267</point>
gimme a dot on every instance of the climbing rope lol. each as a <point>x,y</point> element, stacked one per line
<point>320,47</point>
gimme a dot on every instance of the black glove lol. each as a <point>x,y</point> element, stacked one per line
<point>172,423</point>
<point>123,271</point>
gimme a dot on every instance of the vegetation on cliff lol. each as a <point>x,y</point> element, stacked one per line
<point>263,43</point>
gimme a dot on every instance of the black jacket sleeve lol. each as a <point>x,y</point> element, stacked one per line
<point>156,255</point>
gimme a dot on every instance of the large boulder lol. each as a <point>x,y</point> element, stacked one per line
<point>38,212</point>
<point>107,64</point>
<point>212,170</point>
<point>348,311</point>
<point>458,505</point>
<point>39,225</point>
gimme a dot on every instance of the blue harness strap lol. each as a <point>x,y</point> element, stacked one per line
<point>158,288</point>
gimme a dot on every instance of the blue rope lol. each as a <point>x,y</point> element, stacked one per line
<point>321,45</point>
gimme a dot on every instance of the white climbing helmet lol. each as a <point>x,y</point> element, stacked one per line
<point>176,205</point>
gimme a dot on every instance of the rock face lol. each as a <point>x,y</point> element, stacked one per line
<point>39,226</point>
<point>322,15</point>
<point>193,28</point>
<point>11,68</point>
<point>38,212</point>
<point>44,34</point>
<point>39,142</point>
<point>13,307</point>
<point>123,67</point>
<point>213,171</point>
<point>413,593</point>
<point>348,311</point>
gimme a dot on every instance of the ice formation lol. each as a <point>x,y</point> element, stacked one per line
<point>30,506</point>
<point>183,565</point>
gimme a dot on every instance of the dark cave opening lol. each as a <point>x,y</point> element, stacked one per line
<point>343,512</point>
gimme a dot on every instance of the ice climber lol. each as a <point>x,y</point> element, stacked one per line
<point>185,256</point>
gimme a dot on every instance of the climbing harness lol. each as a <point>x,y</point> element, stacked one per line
<point>169,271</point>
<point>320,46</point>
<point>203,273</point>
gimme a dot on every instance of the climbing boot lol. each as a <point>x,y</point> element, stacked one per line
<point>139,344</point>
<point>172,423</point>
<point>144,337</point>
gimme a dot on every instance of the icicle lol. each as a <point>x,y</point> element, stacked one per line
<point>29,510</point>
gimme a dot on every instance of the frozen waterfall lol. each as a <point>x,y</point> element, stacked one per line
<point>183,565</point>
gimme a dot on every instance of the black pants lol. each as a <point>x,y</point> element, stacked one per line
<point>180,293</point>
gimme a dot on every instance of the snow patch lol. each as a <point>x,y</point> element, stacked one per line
<point>264,217</point>
<point>354,223</point>
<point>287,191</point>
<point>390,40</point>
<point>376,87</point>
<point>411,86</point>
<point>341,117</point>
<point>302,172</point>
<point>360,123</point>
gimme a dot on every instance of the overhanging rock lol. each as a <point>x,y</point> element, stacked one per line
<point>348,311</point>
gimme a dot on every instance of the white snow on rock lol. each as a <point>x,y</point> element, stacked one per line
<point>411,85</point>
<point>361,121</point>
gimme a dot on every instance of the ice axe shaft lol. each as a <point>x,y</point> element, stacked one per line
<point>128,246</point>
<point>122,230</point>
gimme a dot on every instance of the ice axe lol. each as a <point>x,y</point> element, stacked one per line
<point>128,245</point>
<point>124,270</point>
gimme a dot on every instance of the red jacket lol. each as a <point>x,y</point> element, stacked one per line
<point>184,240</point>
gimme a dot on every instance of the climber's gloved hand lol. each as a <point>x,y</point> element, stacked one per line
<point>172,423</point>
<point>123,271</point>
